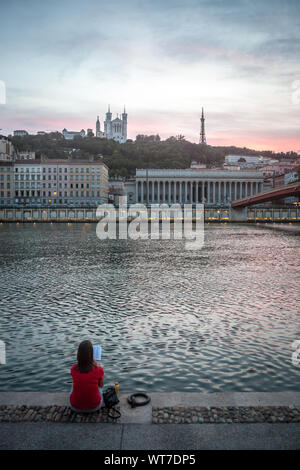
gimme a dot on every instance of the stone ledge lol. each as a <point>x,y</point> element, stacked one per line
<point>163,399</point>
<point>13,405</point>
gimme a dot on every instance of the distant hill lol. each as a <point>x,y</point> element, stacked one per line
<point>144,152</point>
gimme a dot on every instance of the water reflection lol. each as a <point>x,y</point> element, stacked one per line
<point>223,318</point>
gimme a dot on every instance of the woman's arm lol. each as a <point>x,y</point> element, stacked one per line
<point>101,382</point>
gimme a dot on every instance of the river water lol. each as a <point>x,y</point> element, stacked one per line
<point>219,319</point>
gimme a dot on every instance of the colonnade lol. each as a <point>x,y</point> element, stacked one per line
<point>187,191</point>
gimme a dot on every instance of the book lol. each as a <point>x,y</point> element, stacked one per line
<point>97,353</point>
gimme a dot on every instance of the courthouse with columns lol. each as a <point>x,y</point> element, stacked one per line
<point>210,186</point>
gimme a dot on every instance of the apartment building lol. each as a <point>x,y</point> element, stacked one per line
<point>49,182</point>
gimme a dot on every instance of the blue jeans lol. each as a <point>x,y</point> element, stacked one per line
<point>88,411</point>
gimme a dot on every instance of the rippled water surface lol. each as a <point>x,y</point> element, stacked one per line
<point>220,319</point>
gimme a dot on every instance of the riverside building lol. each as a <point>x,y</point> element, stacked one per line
<point>212,187</point>
<point>37,183</point>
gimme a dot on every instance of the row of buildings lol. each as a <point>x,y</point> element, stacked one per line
<point>85,183</point>
<point>115,129</point>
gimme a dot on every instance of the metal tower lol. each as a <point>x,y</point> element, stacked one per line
<point>202,139</point>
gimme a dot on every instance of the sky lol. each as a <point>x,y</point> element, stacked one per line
<point>63,62</point>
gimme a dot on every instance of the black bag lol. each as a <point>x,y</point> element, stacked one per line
<point>111,400</point>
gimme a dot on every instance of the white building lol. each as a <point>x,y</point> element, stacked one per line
<point>26,155</point>
<point>290,177</point>
<point>6,149</point>
<point>69,135</point>
<point>20,133</point>
<point>248,161</point>
<point>215,187</point>
<point>130,191</point>
<point>115,129</point>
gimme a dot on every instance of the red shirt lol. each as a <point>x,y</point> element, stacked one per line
<point>85,394</point>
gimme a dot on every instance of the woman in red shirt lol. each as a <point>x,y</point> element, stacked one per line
<point>86,395</point>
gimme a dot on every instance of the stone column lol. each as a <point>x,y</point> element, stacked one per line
<point>175,192</point>
<point>153,186</point>
<point>185,191</point>
<point>148,192</point>
<point>219,192</point>
<point>230,196</point>
<point>164,191</point>
<point>208,191</point>
<point>202,191</point>
<point>235,190</point>
<point>169,191</point>
<point>137,191</point>
<point>158,192</point>
<point>214,192</point>
<point>197,193</point>
<point>225,192</point>
<point>180,192</point>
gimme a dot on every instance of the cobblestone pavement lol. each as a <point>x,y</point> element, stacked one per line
<point>226,414</point>
<point>166,415</point>
<point>56,414</point>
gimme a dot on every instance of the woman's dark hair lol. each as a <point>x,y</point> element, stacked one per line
<point>85,357</point>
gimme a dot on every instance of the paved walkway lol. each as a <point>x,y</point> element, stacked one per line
<point>50,436</point>
<point>136,430</point>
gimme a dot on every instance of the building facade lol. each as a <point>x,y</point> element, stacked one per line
<point>25,155</point>
<point>6,183</point>
<point>69,135</point>
<point>20,133</point>
<point>214,187</point>
<point>6,149</point>
<point>116,129</point>
<point>66,183</point>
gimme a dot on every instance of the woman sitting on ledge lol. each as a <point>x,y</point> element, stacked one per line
<point>86,395</point>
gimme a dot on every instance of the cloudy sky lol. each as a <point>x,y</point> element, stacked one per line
<point>64,61</point>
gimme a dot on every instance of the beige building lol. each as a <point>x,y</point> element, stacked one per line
<point>60,183</point>
<point>6,183</point>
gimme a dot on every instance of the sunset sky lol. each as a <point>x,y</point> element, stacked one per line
<point>64,61</point>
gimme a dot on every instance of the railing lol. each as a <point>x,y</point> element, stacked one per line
<point>212,214</point>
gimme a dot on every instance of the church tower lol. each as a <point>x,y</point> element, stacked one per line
<point>107,124</point>
<point>124,125</point>
<point>97,125</point>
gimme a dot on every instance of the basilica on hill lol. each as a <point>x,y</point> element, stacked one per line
<point>115,129</point>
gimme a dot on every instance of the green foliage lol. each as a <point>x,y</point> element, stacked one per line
<point>144,152</point>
